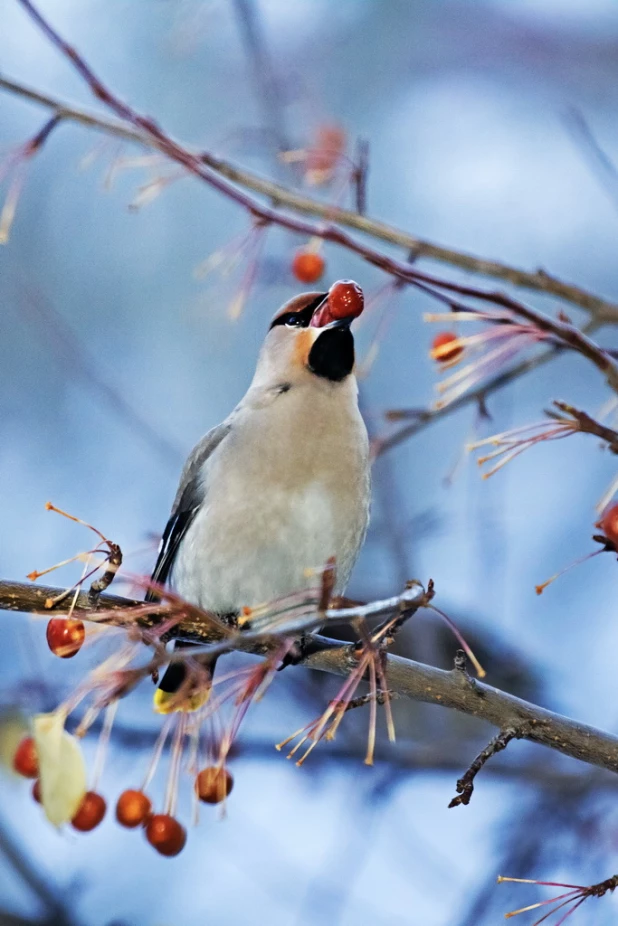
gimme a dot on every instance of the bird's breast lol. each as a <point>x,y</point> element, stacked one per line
<point>284,493</point>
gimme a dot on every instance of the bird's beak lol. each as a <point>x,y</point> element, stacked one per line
<point>319,314</point>
<point>337,323</point>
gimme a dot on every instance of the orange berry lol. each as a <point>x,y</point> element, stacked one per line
<point>166,834</point>
<point>308,266</point>
<point>65,636</point>
<point>609,524</point>
<point>25,761</point>
<point>345,300</point>
<point>90,813</point>
<point>213,784</point>
<point>36,790</point>
<point>133,809</point>
<point>440,349</point>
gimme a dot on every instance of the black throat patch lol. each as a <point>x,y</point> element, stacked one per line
<point>332,355</point>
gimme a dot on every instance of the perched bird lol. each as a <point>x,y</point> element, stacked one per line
<point>282,484</point>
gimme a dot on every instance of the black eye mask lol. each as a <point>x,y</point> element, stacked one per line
<point>300,319</point>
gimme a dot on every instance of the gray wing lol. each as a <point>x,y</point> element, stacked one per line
<point>189,497</point>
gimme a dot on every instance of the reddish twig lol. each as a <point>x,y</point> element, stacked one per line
<point>540,281</point>
<point>199,165</point>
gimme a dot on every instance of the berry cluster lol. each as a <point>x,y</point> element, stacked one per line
<point>213,784</point>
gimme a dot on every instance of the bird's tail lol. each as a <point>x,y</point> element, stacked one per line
<point>182,688</point>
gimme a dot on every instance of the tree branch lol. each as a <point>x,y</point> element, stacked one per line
<point>601,310</point>
<point>280,196</point>
<point>417,681</point>
<point>465,785</point>
<point>583,422</point>
<point>422,418</point>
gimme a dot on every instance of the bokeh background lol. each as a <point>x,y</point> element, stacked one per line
<point>115,358</point>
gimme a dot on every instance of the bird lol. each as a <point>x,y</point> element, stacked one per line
<point>282,485</point>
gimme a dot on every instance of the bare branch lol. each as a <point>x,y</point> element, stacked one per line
<point>55,908</point>
<point>405,677</point>
<point>603,310</point>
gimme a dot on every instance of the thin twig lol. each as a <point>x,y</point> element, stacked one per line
<point>582,421</point>
<point>465,785</point>
<point>264,77</point>
<point>114,562</point>
<point>604,310</point>
<point>199,165</point>
<point>422,418</point>
<point>601,163</point>
<point>360,174</point>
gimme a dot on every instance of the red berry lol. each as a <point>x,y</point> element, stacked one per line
<point>213,784</point>
<point>133,809</point>
<point>90,813</point>
<point>609,524</point>
<point>25,760</point>
<point>440,349</point>
<point>345,300</point>
<point>36,791</point>
<point>65,636</point>
<point>308,266</point>
<point>166,834</point>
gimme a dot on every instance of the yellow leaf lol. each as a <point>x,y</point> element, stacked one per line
<point>62,770</point>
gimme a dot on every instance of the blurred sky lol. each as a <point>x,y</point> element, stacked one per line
<point>464,105</point>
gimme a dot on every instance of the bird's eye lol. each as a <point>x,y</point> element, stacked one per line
<point>301,318</point>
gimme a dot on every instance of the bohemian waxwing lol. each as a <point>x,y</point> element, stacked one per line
<point>281,485</point>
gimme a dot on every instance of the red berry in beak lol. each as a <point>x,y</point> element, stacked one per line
<point>133,809</point>
<point>345,300</point>
<point>90,813</point>
<point>166,834</point>
<point>445,347</point>
<point>65,636</point>
<point>308,266</point>
<point>25,761</point>
<point>213,784</point>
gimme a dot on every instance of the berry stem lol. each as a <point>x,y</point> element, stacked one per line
<point>103,744</point>
<point>171,793</point>
<point>157,752</point>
